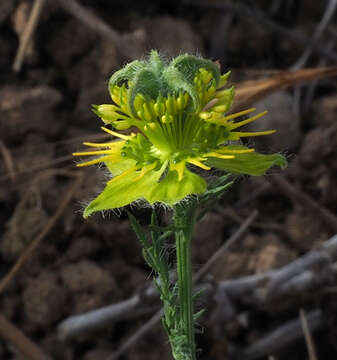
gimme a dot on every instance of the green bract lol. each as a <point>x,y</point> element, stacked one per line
<point>177,110</point>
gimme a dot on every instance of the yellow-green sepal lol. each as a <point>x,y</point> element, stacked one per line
<point>251,163</point>
<point>124,189</point>
<point>171,190</point>
<point>117,168</point>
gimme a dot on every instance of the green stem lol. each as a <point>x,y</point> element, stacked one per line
<point>184,220</point>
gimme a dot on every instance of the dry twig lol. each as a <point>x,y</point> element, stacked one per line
<point>8,161</point>
<point>292,280</point>
<point>307,336</point>
<point>282,337</point>
<point>249,92</point>
<point>12,334</point>
<point>28,33</point>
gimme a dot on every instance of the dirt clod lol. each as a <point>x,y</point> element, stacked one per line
<point>44,300</point>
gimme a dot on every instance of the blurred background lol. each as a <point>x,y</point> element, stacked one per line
<point>55,61</point>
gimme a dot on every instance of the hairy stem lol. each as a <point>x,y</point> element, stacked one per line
<point>184,220</point>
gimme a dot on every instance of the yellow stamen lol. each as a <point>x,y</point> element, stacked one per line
<point>114,133</point>
<point>198,163</point>
<point>94,161</point>
<point>145,170</point>
<point>238,114</point>
<point>220,120</point>
<point>233,151</point>
<point>244,122</point>
<point>108,144</point>
<point>259,133</point>
<point>98,152</point>
<point>125,173</point>
<point>220,156</point>
<point>179,168</point>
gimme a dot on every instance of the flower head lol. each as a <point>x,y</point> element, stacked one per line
<point>177,112</point>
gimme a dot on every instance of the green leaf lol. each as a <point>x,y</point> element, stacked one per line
<point>197,315</point>
<point>249,163</point>
<point>136,227</point>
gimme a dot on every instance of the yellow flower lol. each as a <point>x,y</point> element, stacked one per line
<point>178,110</point>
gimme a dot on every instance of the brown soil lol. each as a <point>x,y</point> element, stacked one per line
<point>83,265</point>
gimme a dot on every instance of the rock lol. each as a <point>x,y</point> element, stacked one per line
<point>254,254</point>
<point>326,111</point>
<point>172,36</point>
<point>281,118</point>
<point>242,42</point>
<point>272,255</point>
<point>138,42</point>
<point>7,50</point>
<point>317,145</point>
<point>35,152</point>
<point>52,345</point>
<point>6,7</point>
<point>91,285</point>
<point>88,95</point>
<point>24,110</point>
<point>122,240</point>
<point>304,230</point>
<point>153,347</point>
<point>70,42</point>
<point>86,276</point>
<point>10,305</point>
<point>98,354</point>
<point>26,222</point>
<point>130,279</point>
<point>81,247</point>
<point>44,300</point>
<point>207,237</point>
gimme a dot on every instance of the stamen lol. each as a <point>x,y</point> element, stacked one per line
<point>98,152</point>
<point>94,161</point>
<point>238,114</point>
<point>179,168</point>
<point>220,156</point>
<point>108,144</point>
<point>125,173</point>
<point>247,121</point>
<point>247,134</point>
<point>198,163</point>
<point>233,151</point>
<point>145,170</point>
<point>114,133</point>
